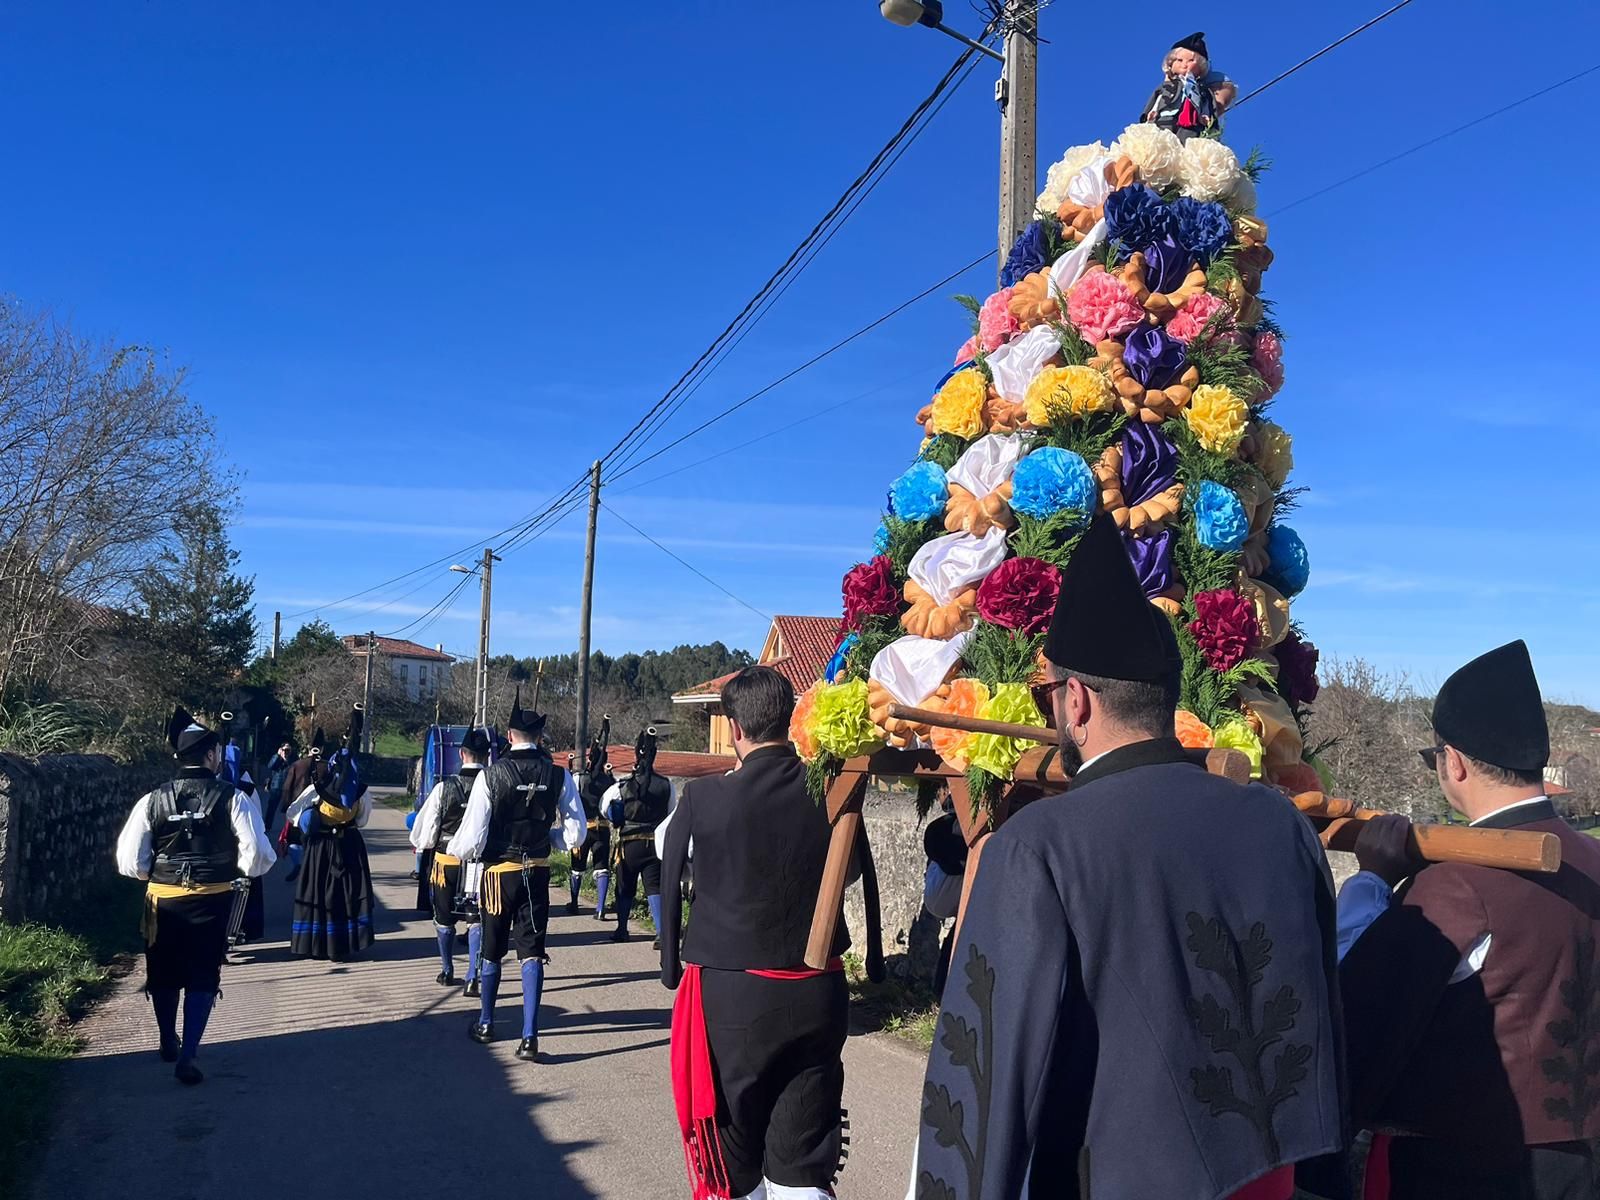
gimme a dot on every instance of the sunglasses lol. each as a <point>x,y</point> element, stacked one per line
<point>1431,756</point>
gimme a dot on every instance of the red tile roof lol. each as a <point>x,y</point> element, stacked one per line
<point>675,764</point>
<point>356,643</point>
<point>807,644</point>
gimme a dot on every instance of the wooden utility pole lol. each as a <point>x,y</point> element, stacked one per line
<point>1016,91</point>
<point>480,692</point>
<point>277,634</point>
<point>366,695</point>
<point>583,620</point>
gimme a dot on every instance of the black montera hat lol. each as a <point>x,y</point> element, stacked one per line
<point>475,743</point>
<point>319,740</point>
<point>1103,624</point>
<point>1195,42</point>
<point>1491,710</point>
<point>526,720</point>
<point>187,736</point>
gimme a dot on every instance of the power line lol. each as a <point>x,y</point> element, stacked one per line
<point>437,608</point>
<point>1434,141</point>
<point>687,565</point>
<point>1306,62</point>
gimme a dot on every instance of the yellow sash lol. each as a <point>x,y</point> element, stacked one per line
<point>154,893</point>
<point>493,896</point>
<point>335,815</point>
<point>440,862</point>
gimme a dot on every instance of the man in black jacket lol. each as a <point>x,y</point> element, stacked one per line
<point>752,1028</point>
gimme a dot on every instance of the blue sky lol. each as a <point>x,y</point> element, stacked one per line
<point>424,264</point>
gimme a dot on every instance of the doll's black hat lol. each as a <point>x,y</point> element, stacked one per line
<point>1491,710</point>
<point>1195,42</point>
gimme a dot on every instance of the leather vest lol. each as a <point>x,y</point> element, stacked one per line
<point>524,797</point>
<point>645,805</point>
<point>191,831</point>
<point>453,804</point>
<point>593,793</point>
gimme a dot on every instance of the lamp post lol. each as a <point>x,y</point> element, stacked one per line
<point>1016,92</point>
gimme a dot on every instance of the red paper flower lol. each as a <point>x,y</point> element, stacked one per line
<point>1227,629</point>
<point>1020,594</point>
<point>1297,670</point>
<point>869,590</point>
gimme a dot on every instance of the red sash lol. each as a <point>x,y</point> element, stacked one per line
<point>1275,1185</point>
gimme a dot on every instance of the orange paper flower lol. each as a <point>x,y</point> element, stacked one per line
<point>966,697</point>
<point>1194,733</point>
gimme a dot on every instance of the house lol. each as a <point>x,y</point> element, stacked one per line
<point>798,648</point>
<point>422,672</point>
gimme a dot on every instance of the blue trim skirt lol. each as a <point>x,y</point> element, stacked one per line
<point>333,898</point>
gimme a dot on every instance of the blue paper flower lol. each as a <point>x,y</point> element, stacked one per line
<point>1204,229</point>
<point>880,540</point>
<point>1220,522</point>
<point>1050,480</point>
<point>836,663</point>
<point>1028,255</point>
<point>920,493</point>
<point>1290,565</point>
<point>1136,217</point>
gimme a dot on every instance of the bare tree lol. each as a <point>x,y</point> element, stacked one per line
<point>1365,728</point>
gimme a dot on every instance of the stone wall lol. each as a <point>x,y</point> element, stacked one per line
<point>59,818</point>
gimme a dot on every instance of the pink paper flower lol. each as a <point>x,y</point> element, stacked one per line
<point>1196,313</point>
<point>1101,306</point>
<point>968,351</point>
<point>995,322</point>
<point>1267,358</point>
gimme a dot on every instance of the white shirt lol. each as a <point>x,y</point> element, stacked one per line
<point>474,832</point>
<point>135,851</point>
<point>310,799</point>
<point>425,829</point>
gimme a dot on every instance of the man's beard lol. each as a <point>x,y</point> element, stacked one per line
<point>1071,755</point>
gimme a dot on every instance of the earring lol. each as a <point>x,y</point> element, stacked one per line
<point>1072,733</point>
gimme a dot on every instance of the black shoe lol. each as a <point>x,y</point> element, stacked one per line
<point>445,979</point>
<point>188,1073</point>
<point>572,908</point>
<point>169,1050</point>
<point>656,945</point>
<point>415,876</point>
<point>472,990</point>
<point>621,934</point>
<point>482,1034</point>
<point>528,1049</point>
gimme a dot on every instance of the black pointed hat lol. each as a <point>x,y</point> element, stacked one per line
<point>475,743</point>
<point>319,740</point>
<point>1195,42</point>
<point>1491,710</point>
<point>526,720</point>
<point>1103,624</point>
<point>187,736</point>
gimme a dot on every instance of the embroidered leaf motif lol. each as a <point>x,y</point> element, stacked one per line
<point>929,1188</point>
<point>1577,1072</point>
<point>972,1050</point>
<point>942,1114</point>
<point>1231,1028</point>
<point>962,1041</point>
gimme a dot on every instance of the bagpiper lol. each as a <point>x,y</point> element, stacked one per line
<point>596,849</point>
<point>635,805</point>
<point>437,822</point>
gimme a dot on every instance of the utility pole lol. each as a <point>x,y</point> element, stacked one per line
<point>480,699</point>
<point>583,620</point>
<point>1016,91</point>
<point>277,634</point>
<point>366,695</point>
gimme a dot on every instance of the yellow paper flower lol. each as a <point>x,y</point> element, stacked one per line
<point>967,698</point>
<point>841,722</point>
<point>958,408</point>
<point>1274,452</point>
<point>801,732</point>
<point>1061,393</point>
<point>996,754</point>
<point>1237,735</point>
<point>1218,418</point>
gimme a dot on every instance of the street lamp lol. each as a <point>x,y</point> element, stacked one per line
<point>1015,91</point>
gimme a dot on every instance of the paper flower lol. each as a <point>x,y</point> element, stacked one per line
<point>880,539</point>
<point>1029,253</point>
<point>1218,418</point>
<point>1291,567</point>
<point>1267,358</point>
<point>967,698</point>
<point>1136,217</point>
<point>1204,229</point>
<point>1020,594</point>
<point>1051,480</point>
<point>1194,733</point>
<point>1220,522</point>
<point>869,590</point>
<point>1243,197</point>
<point>1063,393</point>
<point>1297,669</point>
<point>1157,153</point>
<point>993,753</point>
<point>831,672</point>
<point>1101,306</point>
<point>968,351</point>
<point>1237,735</point>
<point>1196,313</point>
<point>995,322</point>
<point>841,723</point>
<point>800,724</point>
<point>1226,628</point>
<point>1208,170</point>
<point>958,408</point>
<point>1274,451</point>
<point>920,493</point>
<point>1062,171</point>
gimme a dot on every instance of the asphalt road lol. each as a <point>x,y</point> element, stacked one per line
<point>333,1081</point>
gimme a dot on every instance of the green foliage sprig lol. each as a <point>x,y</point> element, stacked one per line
<point>1075,352</point>
<point>944,449</point>
<point>820,774</point>
<point>1087,436</point>
<point>905,539</point>
<point>1053,539</point>
<point>876,632</point>
<point>1223,269</point>
<point>1213,696</point>
<point>997,655</point>
<point>1202,569</point>
<point>1221,361</point>
<point>1256,164</point>
<point>974,306</point>
<point>982,787</point>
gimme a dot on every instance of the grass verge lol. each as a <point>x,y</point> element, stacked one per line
<point>908,1011</point>
<point>403,801</point>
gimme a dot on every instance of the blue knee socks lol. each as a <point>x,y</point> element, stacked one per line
<point>574,882</point>
<point>447,938</point>
<point>196,1012</point>
<point>532,990</point>
<point>165,1002</point>
<point>474,948</point>
<point>490,976</point>
<point>655,910</point>
<point>602,881</point>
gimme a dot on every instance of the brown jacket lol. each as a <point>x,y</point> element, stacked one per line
<point>1509,1057</point>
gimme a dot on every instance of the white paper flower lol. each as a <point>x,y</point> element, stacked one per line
<point>1208,170</point>
<point>1061,173</point>
<point>1157,153</point>
<point>1243,198</point>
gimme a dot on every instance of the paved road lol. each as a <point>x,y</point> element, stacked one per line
<point>359,1080</point>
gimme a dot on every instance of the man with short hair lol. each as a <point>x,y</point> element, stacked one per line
<point>756,1036</point>
<point>1472,995</point>
<point>437,822</point>
<point>1143,994</point>
<point>190,839</point>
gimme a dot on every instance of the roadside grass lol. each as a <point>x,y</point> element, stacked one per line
<point>908,1011</point>
<point>403,801</point>
<point>391,743</point>
<point>49,976</point>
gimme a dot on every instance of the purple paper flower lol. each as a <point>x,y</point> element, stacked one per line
<point>1029,254</point>
<point>1137,217</point>
<point>1204,229</point>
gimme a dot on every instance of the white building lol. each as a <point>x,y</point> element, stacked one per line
<point>424,673</point>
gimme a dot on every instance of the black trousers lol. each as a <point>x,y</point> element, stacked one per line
<point>1426,1169</point>
<point>191,943</point>
<point>596,850</point>
<point>639,861</point>
<point>775,1047</point>
<point>446,900</point>
<point>523,917</point>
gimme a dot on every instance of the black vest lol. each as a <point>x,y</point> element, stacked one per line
<point>191,830</point>
<point>593,793</point>
<point>524,797</point>
<point>453,804</point>
<point>645,805</point>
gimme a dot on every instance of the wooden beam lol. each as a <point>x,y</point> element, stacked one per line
<point>830,896</point>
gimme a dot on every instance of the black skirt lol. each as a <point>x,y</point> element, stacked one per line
<point>333,897</point>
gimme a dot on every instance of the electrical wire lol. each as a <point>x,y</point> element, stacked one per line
<point>437,608</point>
<point>1306,62</point>
<point>688,566</point>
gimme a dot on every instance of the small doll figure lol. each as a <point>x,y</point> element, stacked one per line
<point>1192,95</point>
